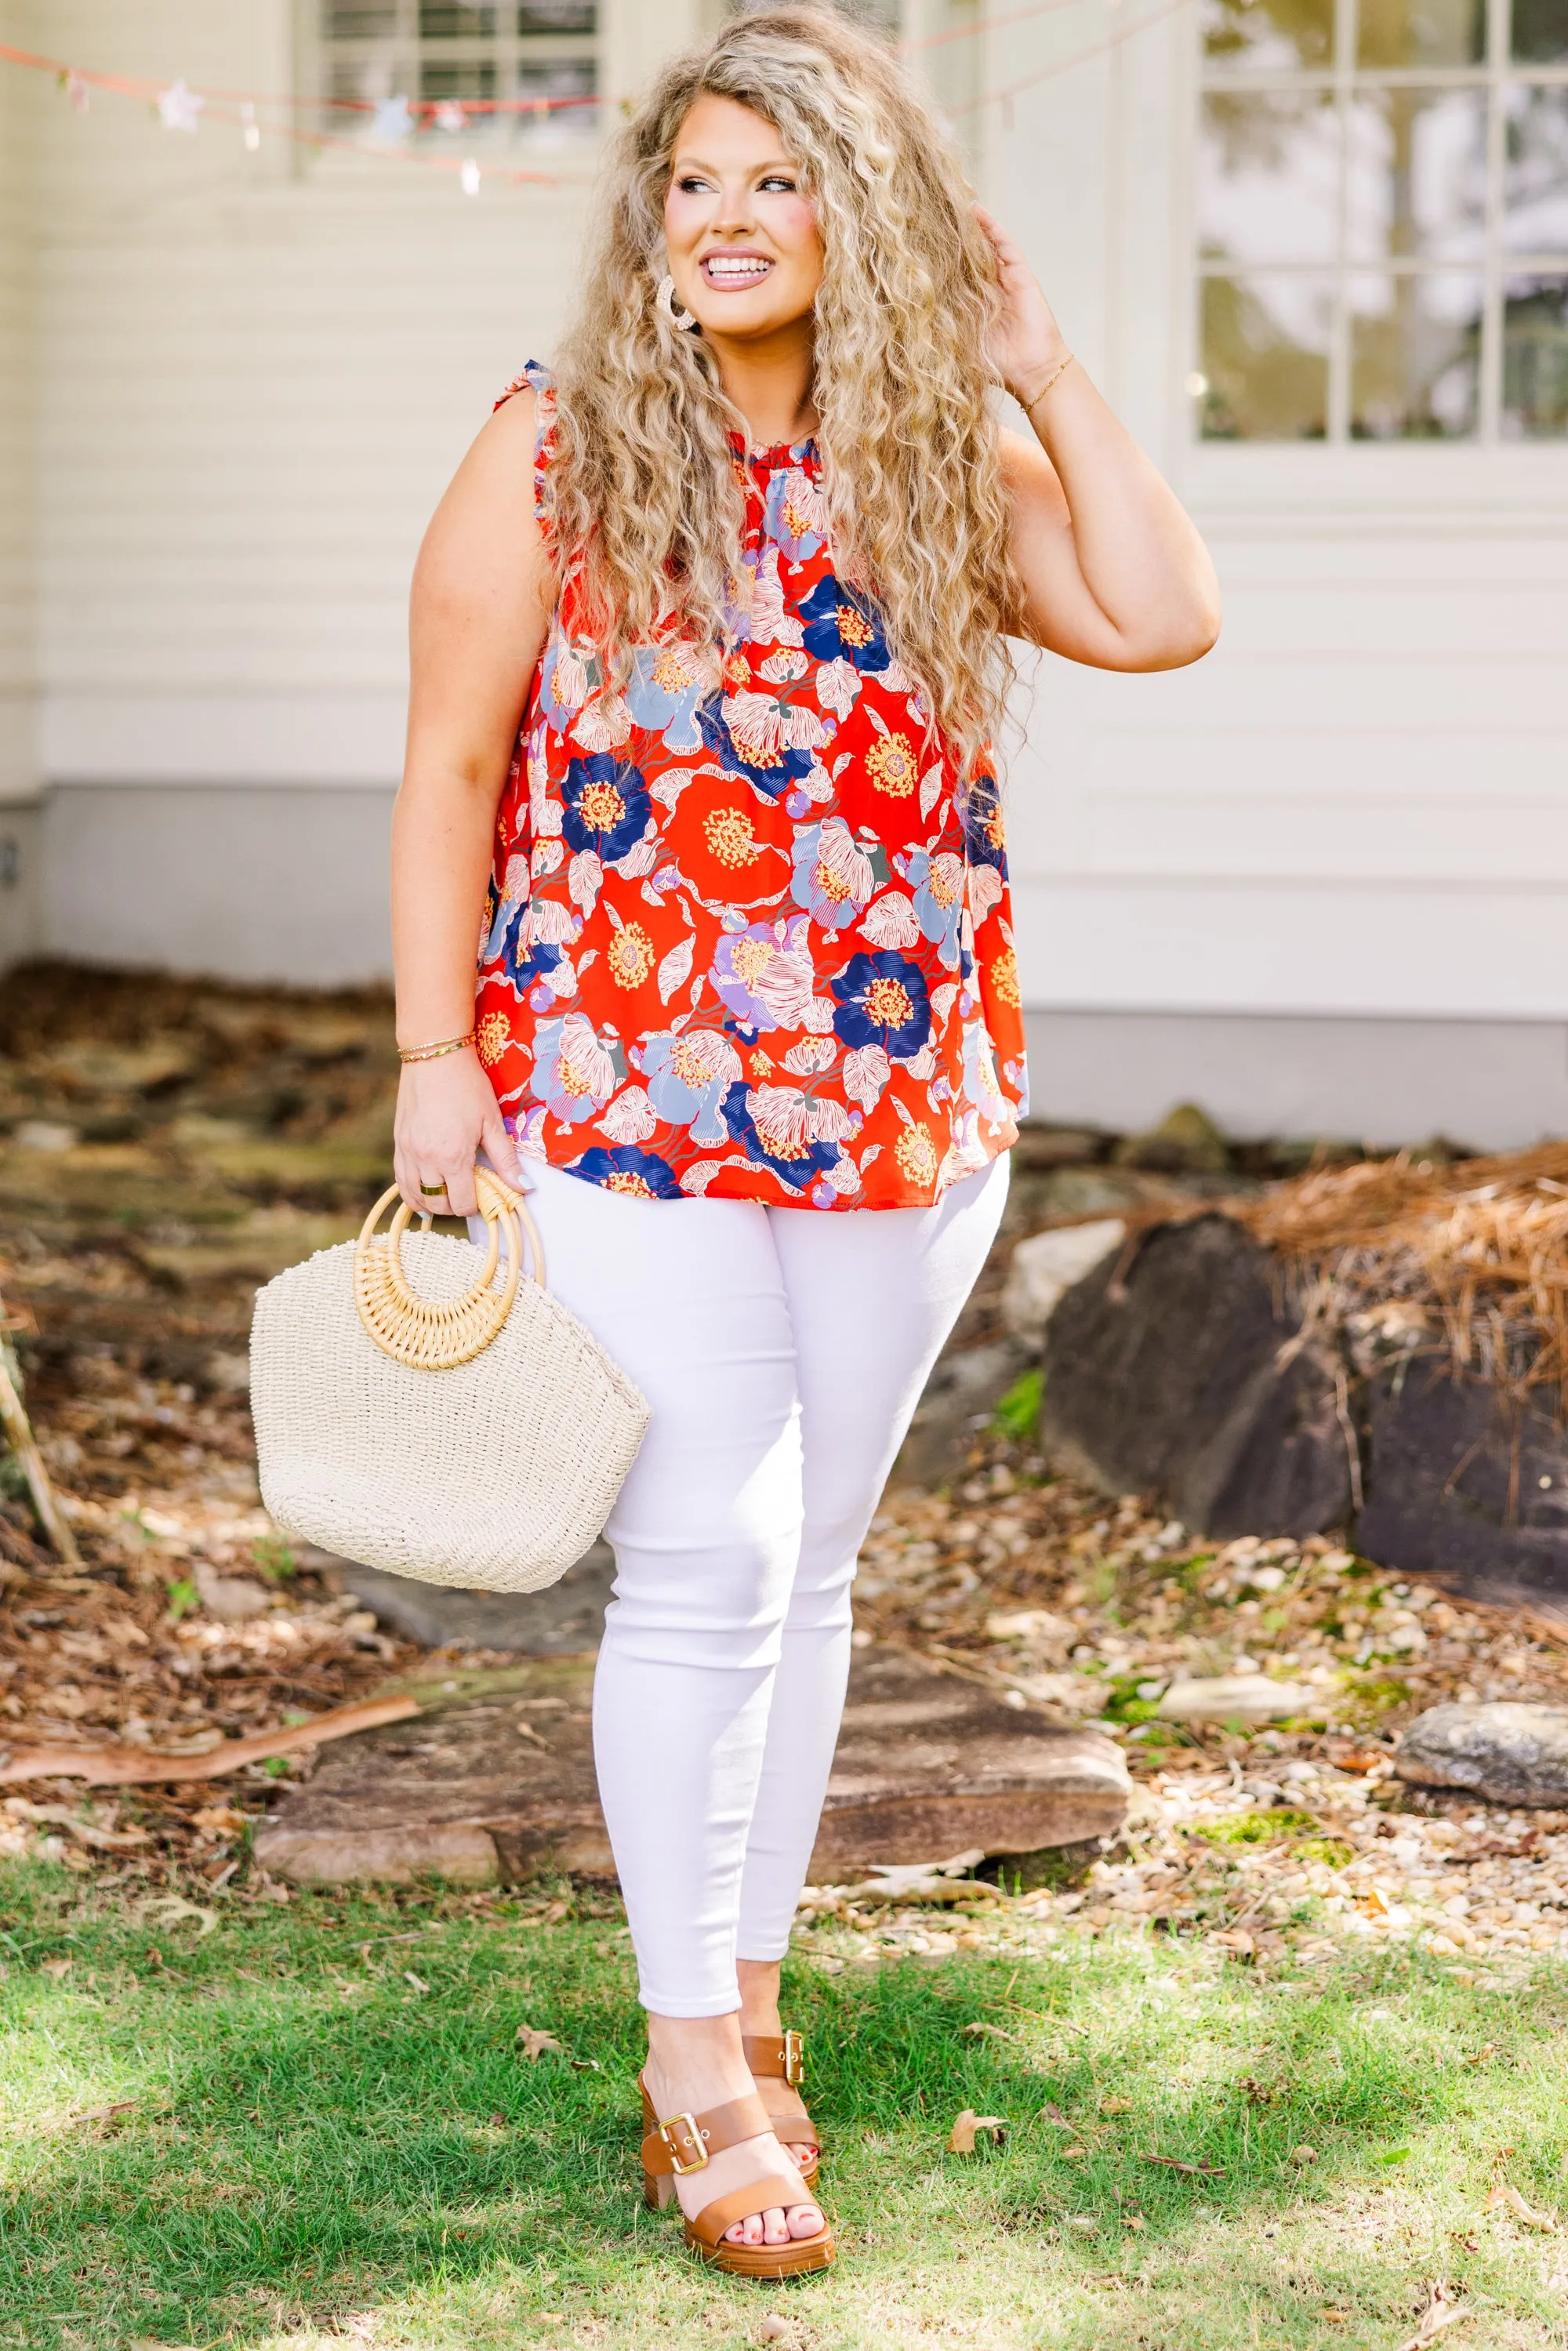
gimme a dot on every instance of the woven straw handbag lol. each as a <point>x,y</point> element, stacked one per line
<point>466,1432</point>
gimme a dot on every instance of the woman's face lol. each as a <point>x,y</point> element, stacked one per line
<point>743,247</point>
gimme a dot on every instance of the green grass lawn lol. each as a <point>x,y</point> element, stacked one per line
<point>328,2136</point>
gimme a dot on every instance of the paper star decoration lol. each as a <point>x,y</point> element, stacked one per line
<point>178,109</point>
<point>469,177</point>
<point>392,120</point>
<point>449,116</point>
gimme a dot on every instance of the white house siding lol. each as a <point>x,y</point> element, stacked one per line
<point>1317,882</point>
<point>18,615</point>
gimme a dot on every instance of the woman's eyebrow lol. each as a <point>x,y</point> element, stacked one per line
<point>697,163</point>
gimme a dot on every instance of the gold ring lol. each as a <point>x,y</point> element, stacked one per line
<point>433,1191</point>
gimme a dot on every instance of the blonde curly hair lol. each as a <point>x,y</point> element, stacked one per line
<point>647,508</point>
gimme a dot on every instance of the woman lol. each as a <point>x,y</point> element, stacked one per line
<point>708,645</point>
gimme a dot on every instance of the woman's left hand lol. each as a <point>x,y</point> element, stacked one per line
<point>1026,342</point>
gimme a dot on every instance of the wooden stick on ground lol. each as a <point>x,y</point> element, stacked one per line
<point>25,1446</point>
<point>126,1767</point>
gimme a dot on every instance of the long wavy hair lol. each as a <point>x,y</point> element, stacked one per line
<point>648,509</point>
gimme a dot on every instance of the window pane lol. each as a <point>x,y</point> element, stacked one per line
<point>457,77</point>
<point>1274,32</point>
<point>444,20</point>
<point>1265,358</point>
<point>1540,31</point>
<point>1416,176</point>
<point>1535,358</point>
<point>1415,349</point>
<point>1535,179</point>
<point>359,20</point>
<point>1422,33</point>
<point>557,16</point>
<point>1267,166</point>
<point>565,78</point>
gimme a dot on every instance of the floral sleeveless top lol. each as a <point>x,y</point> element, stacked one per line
<point>745,938</point>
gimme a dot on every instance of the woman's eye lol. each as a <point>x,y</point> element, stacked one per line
<point>776,179</point>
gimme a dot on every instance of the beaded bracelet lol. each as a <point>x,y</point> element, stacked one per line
<point>434,1052</point>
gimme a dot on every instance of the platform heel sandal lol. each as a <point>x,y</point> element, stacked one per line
<point>781,2057</point>
<point>682,2143</point>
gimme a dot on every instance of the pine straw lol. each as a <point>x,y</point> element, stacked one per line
<point>1482,1243</point>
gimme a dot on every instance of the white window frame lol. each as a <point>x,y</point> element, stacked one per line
<point>505,47</point>
<point>1476,483</point>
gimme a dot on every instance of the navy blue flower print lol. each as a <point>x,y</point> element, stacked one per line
<point>774,777</point>
<point>882,1001</point>
<point>607,806</point>
<point>642,1175</point>
<point>980,814</point>
<point>840,624</point>
<point>771,1123</point>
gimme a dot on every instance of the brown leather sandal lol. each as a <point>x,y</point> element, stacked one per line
<point>684,2144</point>
<point>781,2057</point>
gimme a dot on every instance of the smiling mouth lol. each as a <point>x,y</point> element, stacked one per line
<point>732,273</point>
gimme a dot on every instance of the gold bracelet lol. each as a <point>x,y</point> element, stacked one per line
<point>1060,370</point>
<point>434,1052</point>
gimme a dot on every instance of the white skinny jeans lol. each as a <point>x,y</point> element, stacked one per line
<point>783,1352</point>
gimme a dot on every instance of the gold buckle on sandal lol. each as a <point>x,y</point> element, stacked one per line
<point>794,2059</point>
<point>694,2138</point>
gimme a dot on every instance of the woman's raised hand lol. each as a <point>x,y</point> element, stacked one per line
<point>1026,342</point>
<point>447,1114</point>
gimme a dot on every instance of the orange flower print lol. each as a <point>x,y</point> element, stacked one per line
<point>916,1155</point>
<point>731,837</point>
<point>737,670</point>
<point>1004,976</point>
<point>492,1037</point>
<point>890,764</point>
<point>629,955</point>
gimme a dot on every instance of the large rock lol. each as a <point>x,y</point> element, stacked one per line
<point>1044,1268</point>
<point>1467,1487</point>
<point>497,1779</point>
<point>567,1618</point>
<point>1185,1374</point>
<point>1510,1753</point>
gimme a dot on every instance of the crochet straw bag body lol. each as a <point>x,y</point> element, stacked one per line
<point>417,1414</point>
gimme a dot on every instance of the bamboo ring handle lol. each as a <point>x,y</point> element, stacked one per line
<point>425,1334</point>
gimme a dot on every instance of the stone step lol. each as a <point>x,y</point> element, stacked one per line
<point>495,1781</point>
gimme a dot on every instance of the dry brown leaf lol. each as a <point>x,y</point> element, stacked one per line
<point>534,2044</point>
<point>99,2113</point>
<point>221,1818</point>
<point>990,2032</point>
<point>123,1767</point>
<point>1441,2311</point>
<point>1198,2170</point>
<point>56,1968</point>
<point>417,1982</point>
<point>775,2329</point>
<point>1502,2194</point>
<point>1303,2154</point>
<point>1116,2106</point>
<point>961,2138</point>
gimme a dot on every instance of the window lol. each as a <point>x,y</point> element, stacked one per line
<point>518,73</point>
<point>1383,220</point>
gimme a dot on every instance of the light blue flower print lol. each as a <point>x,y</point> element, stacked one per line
<point>687,1078</point>
<point>566,676</point>
<point>795,516</point>
<point>663,693</point>
<point>939,885</point>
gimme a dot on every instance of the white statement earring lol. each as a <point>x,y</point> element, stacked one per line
<point>677,316</point>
